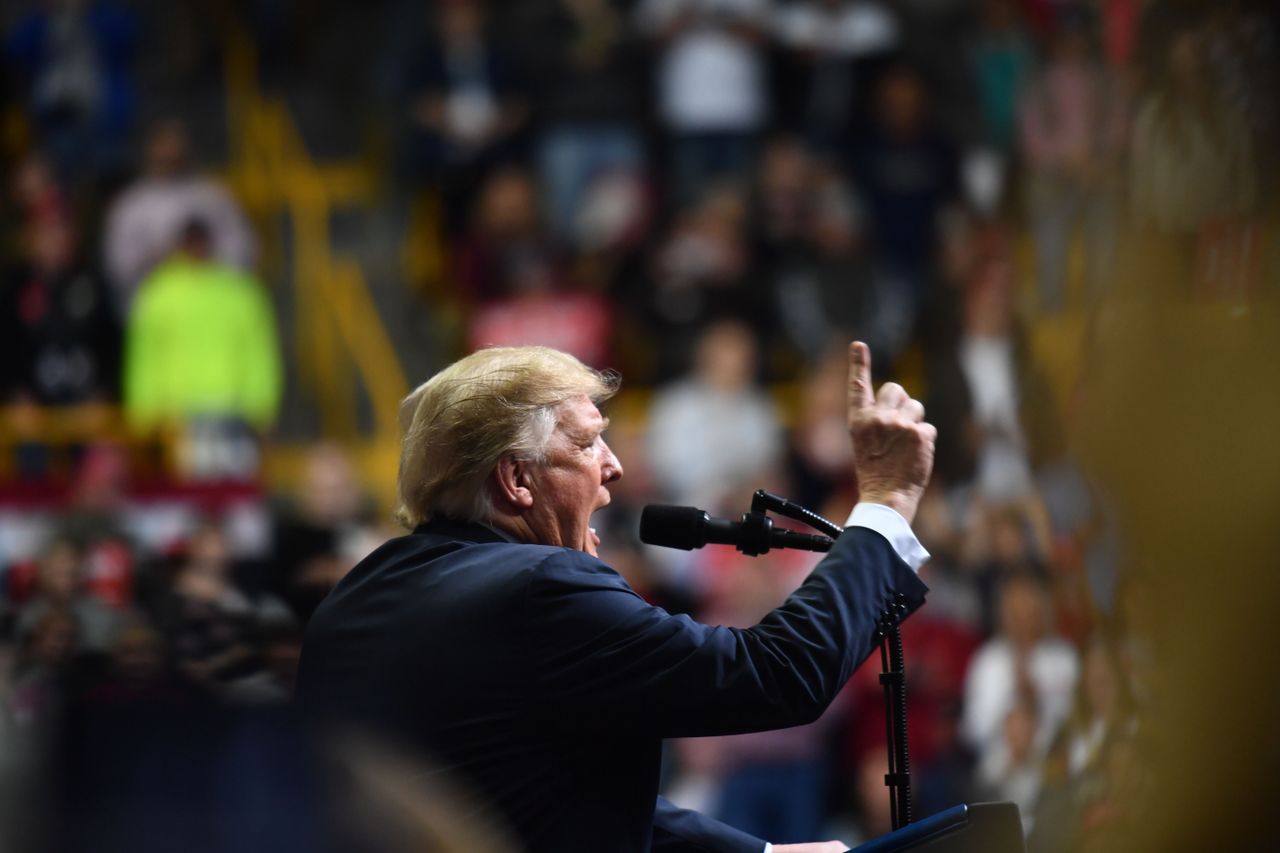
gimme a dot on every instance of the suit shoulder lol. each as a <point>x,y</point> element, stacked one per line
<point>567,565</point>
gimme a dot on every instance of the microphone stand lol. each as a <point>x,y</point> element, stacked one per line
<point>893,672</point>
<point>893,678</point>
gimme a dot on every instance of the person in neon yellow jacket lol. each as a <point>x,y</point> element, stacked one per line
<point>201,342</point>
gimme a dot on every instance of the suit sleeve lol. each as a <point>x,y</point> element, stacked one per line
<point>677,830</point>
<point>607,660</point>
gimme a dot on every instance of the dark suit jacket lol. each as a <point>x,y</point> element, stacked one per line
<point>539,678</point>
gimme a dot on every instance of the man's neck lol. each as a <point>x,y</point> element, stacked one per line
<point>511,527</point>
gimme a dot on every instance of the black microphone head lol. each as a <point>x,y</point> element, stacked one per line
<point>674,526</point>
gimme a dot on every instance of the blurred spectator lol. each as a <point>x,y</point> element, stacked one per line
<point>139,676</point>
<point>1074,126</point>
<point>1242,46</point>
<point>146,219</point>
<point>37,195</point>
<point>201,342</point>
<point>1085,550</point>
<point>60,588</point>
<point>785,192</point>
<point>950,408</point>
<point>95,510</point>
<point>704,270</point>
<point>832,49</point>
<point>318,537</point>
<point>1023,664</point>
<point>93,524</point>
<point>610,221</point>
<point>59,336</point>
<point>464,107</point>
<point>936,39</point>
<point>273,684</point>
<point>820,459</point>
<point>44,676</point>
<point>505,250</point>
<point>511,270</point>
<point>991,365</point>
<point>590,108</point>
<point>999,542</point>
<point>808,233</point>
<point>1003,61</point>
<point>907,171</point>
<point>1192,160</point>
<point>1103,712</point>
<point>694,459</point>
<point>212,625</point>
<point>712,93</point>
<point>1084,774</point>
<point>1061,483</point>
<point>75,58</point>
<point>1011,771</point>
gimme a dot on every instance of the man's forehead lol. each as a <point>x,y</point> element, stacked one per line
<point>580,415</point>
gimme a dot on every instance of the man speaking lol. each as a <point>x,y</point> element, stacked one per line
<point>495,642</point>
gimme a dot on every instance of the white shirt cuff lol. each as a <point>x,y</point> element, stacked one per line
<point>888,523</point>
<point>768,848</point>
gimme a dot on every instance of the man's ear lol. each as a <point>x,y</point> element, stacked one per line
<point>511,483</point>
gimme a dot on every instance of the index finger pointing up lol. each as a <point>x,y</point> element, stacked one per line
<point>860,396</point>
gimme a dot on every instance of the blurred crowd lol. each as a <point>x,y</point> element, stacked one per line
<point>712,196</point>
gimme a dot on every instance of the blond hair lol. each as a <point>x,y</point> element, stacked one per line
<point>460,422</point>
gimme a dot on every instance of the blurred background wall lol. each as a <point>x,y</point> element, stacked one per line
<point>234,233</point>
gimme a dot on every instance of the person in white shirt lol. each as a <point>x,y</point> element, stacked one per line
<point>1024,662</point>
<point>694,459</point>
<point>144,221</point>
<point>712,94</point>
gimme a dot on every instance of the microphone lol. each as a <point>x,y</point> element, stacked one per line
<point>688,527</point>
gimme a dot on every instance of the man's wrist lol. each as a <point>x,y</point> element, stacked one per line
<point>890,524</point>
<point>904,503</point>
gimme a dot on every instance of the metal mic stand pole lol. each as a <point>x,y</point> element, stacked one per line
<point>893,672</point>
<point>893,678</point>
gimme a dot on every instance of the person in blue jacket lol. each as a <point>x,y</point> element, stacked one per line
<point>493,640</point>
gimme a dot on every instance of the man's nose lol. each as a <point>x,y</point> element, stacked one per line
<point>612,468</point>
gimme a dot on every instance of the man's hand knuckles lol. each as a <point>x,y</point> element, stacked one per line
<point>891,391</point>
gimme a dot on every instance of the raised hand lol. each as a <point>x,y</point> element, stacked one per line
<point>892,443</point>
